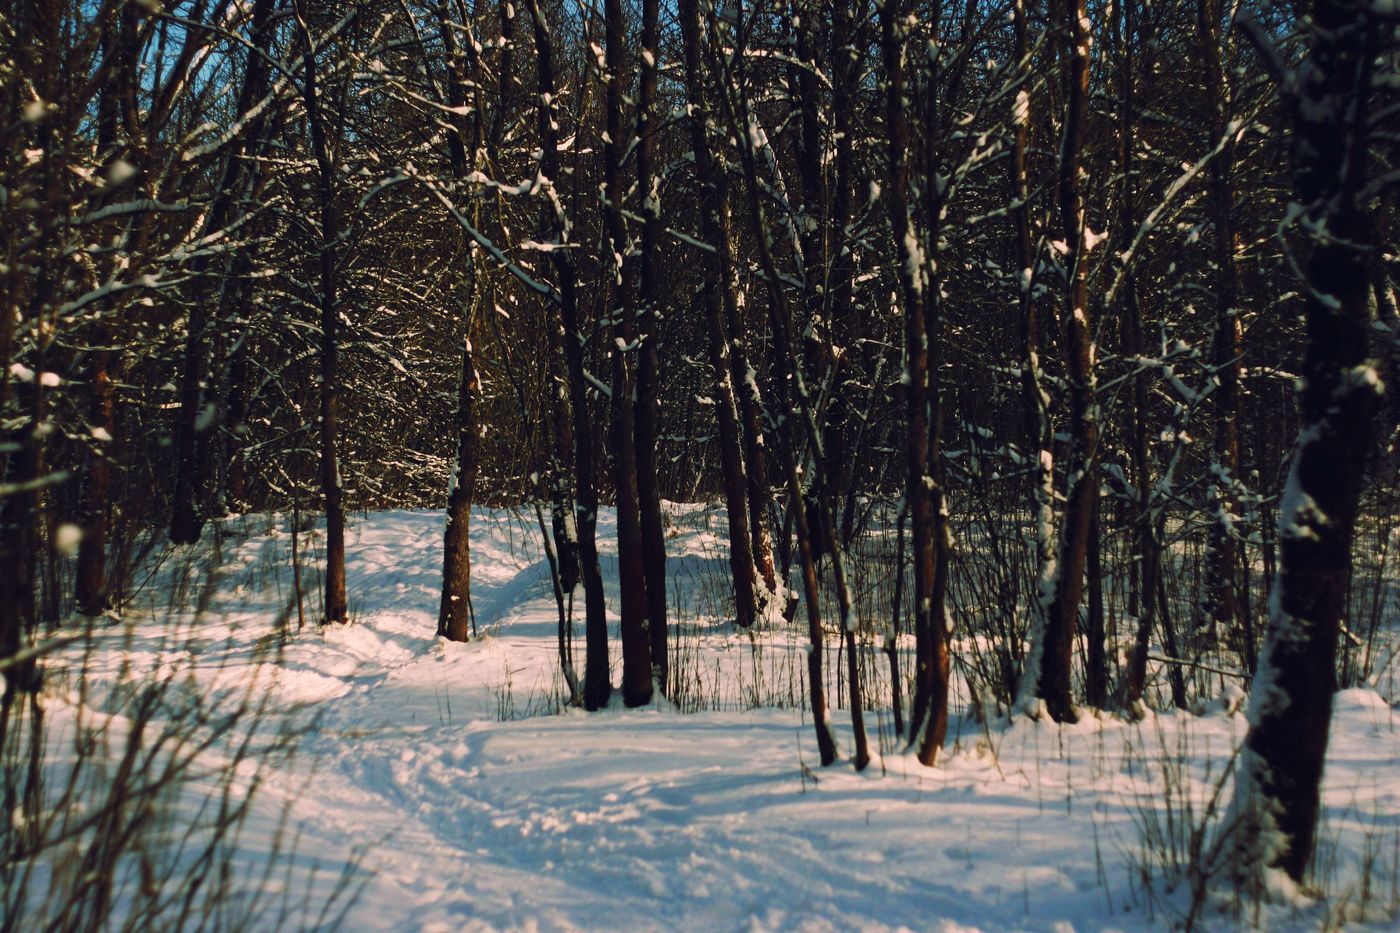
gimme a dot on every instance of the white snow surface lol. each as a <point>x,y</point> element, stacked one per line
<point>476,806</point>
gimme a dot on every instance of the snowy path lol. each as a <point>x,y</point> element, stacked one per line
<point>652,820</point>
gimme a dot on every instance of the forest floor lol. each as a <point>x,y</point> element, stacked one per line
<point>444,780</point>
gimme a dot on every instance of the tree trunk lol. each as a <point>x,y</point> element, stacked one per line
<point>455,607</point>
<point>561,455</point>
<point>929,712</point>
<point>187,518</point>
<point>1035,401</point>
<point>1223,577</point>
<point>455,617</point>
<point>1143,597</point>
<point>795,413</point>
<point>631,569</point>
<point>20,546</point>
<point>331,490</point>
<point>22,466</point>
<point>1096,673</point>
<point>596,685</point>
<point>750,428</point>
<point>1290,711</point>
<point>647,411</point>
<point>116,95</point>
<point>1082,480</point>
<point>892,632</point>
<point>839,291</point>
<point>714,230</point>
<point>230,460</point>
<point>91,571</point>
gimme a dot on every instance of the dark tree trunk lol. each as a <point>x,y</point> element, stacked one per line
<point>793,415</point>
<point>235,491</point>
<point>1223,576</point>
<point>893,632</point>
<point>755,458</point>
<point>929,712</point>
<point>1035,401</point>
<point>455,617</point>
<point>331,491</point>
<point>230,467</point>
<point>829,322</point>
<point>187,518</point>
<point>714,229</point>
<point>1143,597</point>
<point>839,290</point>
<point>22,461</point>
<point>91,571</point>
<point>455,608</point>
<point>185,521</point>
<point>631,569</point>
<point>811,596</point>
<point>647,411</point>
<point>115,99</point>
<point>596,685</point>
<point>19,549</point>
<point>1096,674</point>
<point>560,433</point>
<point>820,339</point>
<point>1145,538</point>
<point>1057,653</point>
<point>561,494</point>
<point>1277,791</point>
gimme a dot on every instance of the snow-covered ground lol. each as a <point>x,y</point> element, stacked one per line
<point>472,804</point>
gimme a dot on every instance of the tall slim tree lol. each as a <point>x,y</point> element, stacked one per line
<point>1223,576</point>
<point>649,308</point>
<point>464,142</point>
<point>1057,651</point>
<point>1143,596</point>
<point>116,115</point>
<point>923,495</point>
<point>596,684</point>
<point>31,282</point>
<point>791,423</point>
<point>714,229</point>
<point>329,390</point>
<point>631,567</point>
<point>196,417</point>
<point>1035,400</point>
